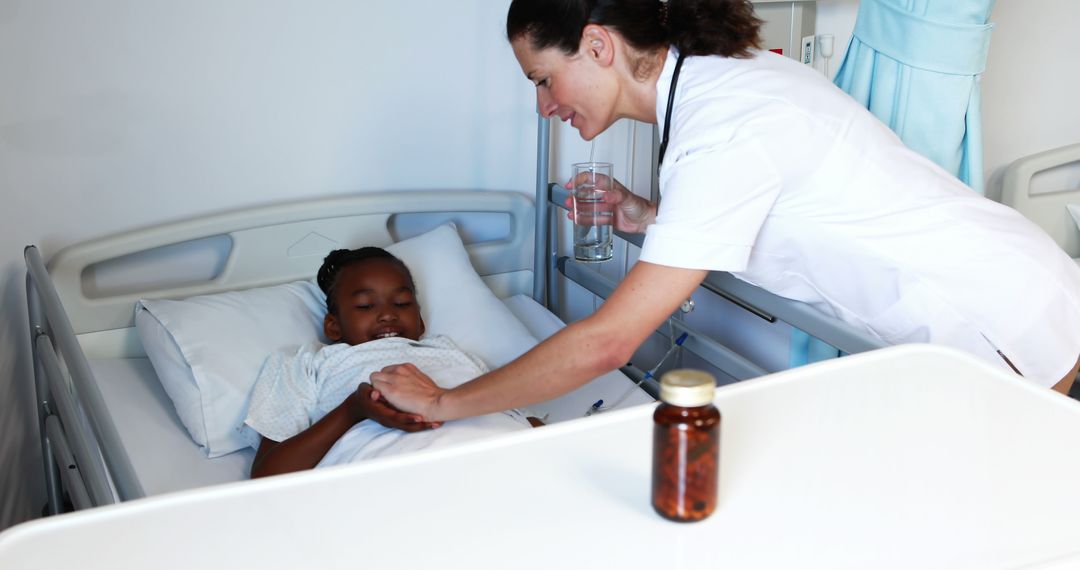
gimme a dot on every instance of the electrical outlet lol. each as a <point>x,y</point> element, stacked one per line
<point>808,50</point>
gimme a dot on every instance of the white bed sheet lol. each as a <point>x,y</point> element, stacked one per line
<point>165,459</point>
<point>162,454</point>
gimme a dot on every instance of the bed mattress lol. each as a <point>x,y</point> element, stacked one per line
<point>163,455</point>
<point>165,459</point>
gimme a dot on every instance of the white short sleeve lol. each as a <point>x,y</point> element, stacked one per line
<point>714,202</point>
<point>285,395</point>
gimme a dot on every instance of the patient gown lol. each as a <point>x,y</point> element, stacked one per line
<point>297,388</point>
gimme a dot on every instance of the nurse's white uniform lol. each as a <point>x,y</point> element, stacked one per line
<point>774,174</point>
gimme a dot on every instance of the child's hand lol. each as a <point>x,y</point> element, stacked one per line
<point>367,403</point>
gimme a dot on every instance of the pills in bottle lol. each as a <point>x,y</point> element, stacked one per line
<point>686,447</point>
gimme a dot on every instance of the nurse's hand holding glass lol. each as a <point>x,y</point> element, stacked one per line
<point>632,212</point>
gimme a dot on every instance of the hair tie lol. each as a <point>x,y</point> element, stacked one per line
<point>663,13</point>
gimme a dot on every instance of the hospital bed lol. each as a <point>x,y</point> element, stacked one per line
<point>86,337</point>
<point>1056,210</point>
<point>109,430</point>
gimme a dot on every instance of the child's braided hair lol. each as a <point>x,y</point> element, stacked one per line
<point>339,259</point>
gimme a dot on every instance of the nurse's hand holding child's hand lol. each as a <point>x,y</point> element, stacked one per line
<point>632,212</point>
<point>408,388</point>
<point>367,402</point>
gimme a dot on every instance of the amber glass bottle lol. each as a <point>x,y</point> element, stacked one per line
<point>686,447</point>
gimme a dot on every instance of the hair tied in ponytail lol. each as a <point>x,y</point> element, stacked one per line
<point>727,28</point>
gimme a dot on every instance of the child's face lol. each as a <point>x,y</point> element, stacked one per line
<point>375,299</point>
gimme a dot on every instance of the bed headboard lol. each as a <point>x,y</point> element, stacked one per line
<point>281,243</point>
<point>1048,210</point>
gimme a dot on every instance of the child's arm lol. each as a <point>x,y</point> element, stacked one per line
<point>305,449</point>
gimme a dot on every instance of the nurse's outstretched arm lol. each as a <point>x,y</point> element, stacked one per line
<point>576,354</point>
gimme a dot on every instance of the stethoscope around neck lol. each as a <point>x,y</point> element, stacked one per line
<point>667,114</point>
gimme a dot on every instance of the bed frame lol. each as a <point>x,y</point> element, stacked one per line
<point>69,322</point>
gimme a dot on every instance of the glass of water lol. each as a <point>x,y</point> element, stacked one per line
<point>593,217</point>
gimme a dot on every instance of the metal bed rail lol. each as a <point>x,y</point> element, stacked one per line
<point>542,253</point>
<point>766,305</point>
<point>698,342</point>
<point>52,480</point>
<point>67,400</point>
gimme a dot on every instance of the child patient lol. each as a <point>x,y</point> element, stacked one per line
<point>313,406</point>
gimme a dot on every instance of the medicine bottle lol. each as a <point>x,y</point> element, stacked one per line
<point>686,447</point>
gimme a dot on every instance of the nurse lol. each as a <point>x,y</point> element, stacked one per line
<point>770,172</point>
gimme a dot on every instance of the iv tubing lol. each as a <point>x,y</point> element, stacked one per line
<point>599,407</point>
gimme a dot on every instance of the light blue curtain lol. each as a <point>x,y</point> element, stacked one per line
<point>915,65</point>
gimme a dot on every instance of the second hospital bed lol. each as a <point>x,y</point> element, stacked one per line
<point>1055,209</point>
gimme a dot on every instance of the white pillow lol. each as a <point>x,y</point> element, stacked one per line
<point>207,350</point>
<point>454,300</point>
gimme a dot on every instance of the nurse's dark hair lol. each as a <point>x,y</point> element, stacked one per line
<point>695,27</point>
<point>339,259</point>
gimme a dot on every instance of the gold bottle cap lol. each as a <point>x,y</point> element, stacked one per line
<point>687,388</point>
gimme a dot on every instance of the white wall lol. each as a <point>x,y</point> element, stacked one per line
<point>116,114</point>
<point>1031,85</point>
<point>836,17</point>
